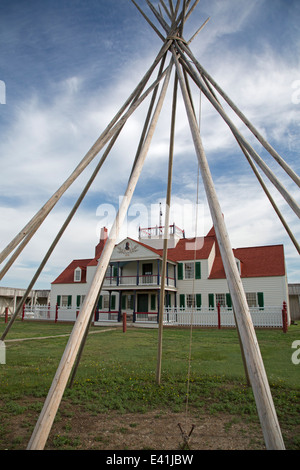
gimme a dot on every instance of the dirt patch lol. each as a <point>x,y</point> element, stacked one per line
<point>158,431</point>
<point>155,430</point>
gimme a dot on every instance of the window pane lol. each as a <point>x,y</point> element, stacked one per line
<point>220,299</point>
<point>251,299</point>
<point>189,270</point>
<point>190,300</point>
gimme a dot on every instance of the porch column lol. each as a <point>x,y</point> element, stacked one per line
<point>120,306</point>
<point>137,272</point>
<point>118,273</point>
<point>174,275</point>
<point>167,273</point>
<point>134,306</point>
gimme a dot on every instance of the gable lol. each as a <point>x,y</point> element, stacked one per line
<point>130,249</point>
<point>67,276</point>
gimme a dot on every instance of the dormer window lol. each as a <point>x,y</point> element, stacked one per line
<point>77,275</point>
<point>238,265</point>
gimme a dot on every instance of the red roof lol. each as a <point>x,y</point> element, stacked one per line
<point>67,276</point>
<point>259,261</point>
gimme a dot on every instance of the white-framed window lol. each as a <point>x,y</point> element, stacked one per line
<point>65,300</point>
<point>190,300</point>
<point>221,299</point>
<point>77,275</point>
<point>251,299</point>
<point>189,270</point>
<point>106,301</point>
<point>130,300</point>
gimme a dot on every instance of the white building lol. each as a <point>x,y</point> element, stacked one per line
<point>195,280</point>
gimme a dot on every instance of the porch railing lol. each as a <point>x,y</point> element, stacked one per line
<point>267,317</point>
<point>146,280</point>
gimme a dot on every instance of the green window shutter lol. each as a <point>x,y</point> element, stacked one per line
<point>78,301</point>
<point>115,271</point>
<point>153,302</point>
<point>260,299</point>
<point>123,302</point>
<point>211,300</point>
<point>228,301</point>
<point>198,301</point>
<point>182,300</point>
<point>58,300</point>
<point>198,270</point>
<point>100,302</point>
<point>113,302</point>
<point>69,301</point>
<point>180,271</point>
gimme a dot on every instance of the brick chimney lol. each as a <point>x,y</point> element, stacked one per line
<point>100,246</point>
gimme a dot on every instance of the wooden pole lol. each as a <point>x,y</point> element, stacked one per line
<point>255,367</point>
<point>59,235</point>
<point>246,121</point>
<point>48,413</point>
<point>116,123</point>
<point>272,177</point>
<point>142,139</point>
<point>166,235</point>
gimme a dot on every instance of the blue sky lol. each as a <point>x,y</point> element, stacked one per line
<point>67,67</point>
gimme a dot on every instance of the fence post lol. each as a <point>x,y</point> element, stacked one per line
<point>219,316</point>
<point>6,314</point>
<point>124,322</point>
<point>56,313</point>
<point>284,317</point>
<point>23,312</point>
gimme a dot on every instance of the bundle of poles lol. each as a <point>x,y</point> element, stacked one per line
<point>170,19</point>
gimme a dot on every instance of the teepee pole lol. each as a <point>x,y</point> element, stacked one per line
<point>59,235</point>
<point>268,172</point>
<point>46,209</point>
<point>166,234</point>
<point>106,135</point>
<point>48,413</point>
<point>140,146</point>
<point>255,367</point>
<point>244,119</point>
<point>271,199</point>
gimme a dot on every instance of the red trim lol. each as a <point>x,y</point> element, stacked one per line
<point>146,313</point>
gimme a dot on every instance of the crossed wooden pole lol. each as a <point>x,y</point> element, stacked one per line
<point>171,19</point>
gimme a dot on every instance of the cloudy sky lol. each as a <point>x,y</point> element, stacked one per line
<point>66,68</point>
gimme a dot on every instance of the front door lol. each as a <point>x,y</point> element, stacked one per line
<point>142,303</point>
<point>147,273</point>
<point>142,307</point>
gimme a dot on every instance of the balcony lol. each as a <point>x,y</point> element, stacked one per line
<point>149,280</point>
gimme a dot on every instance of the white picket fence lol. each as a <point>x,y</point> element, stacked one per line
<point>267,317</point>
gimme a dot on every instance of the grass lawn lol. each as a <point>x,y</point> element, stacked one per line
<point>117,373</point>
